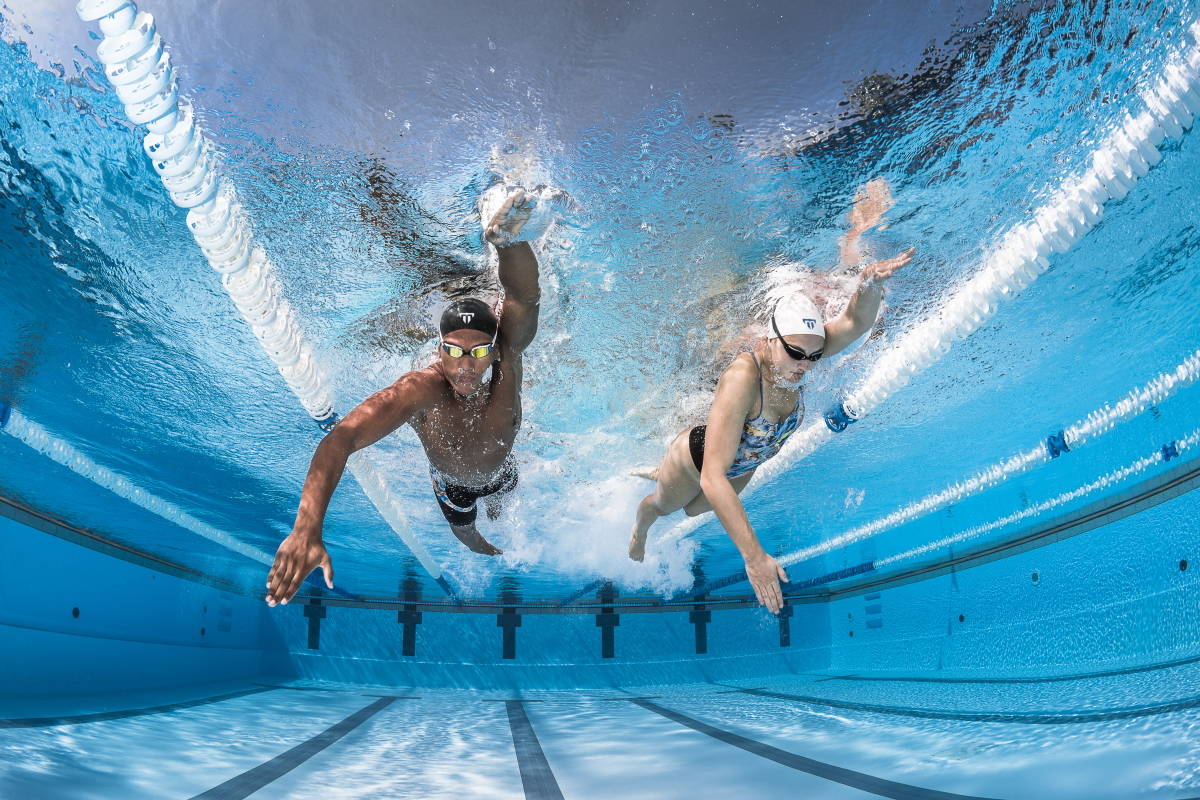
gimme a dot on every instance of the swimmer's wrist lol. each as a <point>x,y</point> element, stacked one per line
<point>873,282</point>
<point>308,535</point>
<point>755,556</point>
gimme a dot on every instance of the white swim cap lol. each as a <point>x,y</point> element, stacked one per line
<point>796,313</point>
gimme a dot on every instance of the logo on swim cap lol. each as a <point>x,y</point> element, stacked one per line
<point>470,313</point>
<point>797,313</point>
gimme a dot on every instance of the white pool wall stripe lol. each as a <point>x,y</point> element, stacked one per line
<point>1020,256</point>
<point>38,438</point>
<point>1103,482</point>
<point>139,68</point>
<point>1098,422</point>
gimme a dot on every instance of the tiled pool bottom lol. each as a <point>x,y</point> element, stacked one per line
<point>1124,733</point>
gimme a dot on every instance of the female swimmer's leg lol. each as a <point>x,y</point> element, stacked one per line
<point>699,504</point>
<point>678,485</point>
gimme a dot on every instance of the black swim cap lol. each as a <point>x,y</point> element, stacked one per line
<point>469,314</point>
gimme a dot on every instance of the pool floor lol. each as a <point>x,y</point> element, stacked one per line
<point>1124,733</point>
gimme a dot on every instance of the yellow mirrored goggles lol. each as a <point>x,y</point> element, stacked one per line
<point>454,351</point>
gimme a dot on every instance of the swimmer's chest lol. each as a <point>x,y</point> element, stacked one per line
<point>451,425</point>
<point>779,405</point>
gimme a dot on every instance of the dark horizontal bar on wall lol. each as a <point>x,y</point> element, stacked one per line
<point>1171,484</point>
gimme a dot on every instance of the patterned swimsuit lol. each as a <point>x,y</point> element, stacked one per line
<point>761,439</point>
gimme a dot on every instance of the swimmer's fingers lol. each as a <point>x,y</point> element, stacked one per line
<point>517,214</point>
<point>327,569</point>
<point>494,232</point>
<point>768,595</point>
<point>275,578</point>
<point>508,220</point>
<point>774,597</point>
<point>882,270</point>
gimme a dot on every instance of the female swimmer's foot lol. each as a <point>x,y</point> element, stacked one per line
<point>468,535</point>
<point>637,545</point>
<point>507,222</point>
<point>647,512</point>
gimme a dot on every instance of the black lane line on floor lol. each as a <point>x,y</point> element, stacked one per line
<point>1179,662</point>
<point>536,776</point>
<point>252,780</point>
<point>846,777</point>
<point>1059,718</point>
<point>103,716</point>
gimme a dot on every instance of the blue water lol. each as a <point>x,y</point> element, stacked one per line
<point>709,152</point>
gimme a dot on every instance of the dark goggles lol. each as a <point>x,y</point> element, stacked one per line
<point>479,351</point>
<point>795,353</point>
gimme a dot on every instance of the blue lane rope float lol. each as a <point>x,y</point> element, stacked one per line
<point>138,67</point>
<point>838,418</point>
<point>1122,158</point>
<point>1056,444</point>
<point>1095,424</point>
<point>1163,455</point>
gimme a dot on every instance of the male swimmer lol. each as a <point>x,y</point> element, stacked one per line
<point>759,404</point>
<point>465,409</point>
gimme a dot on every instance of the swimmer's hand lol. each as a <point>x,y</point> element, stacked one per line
<point>507,222</point>
<point>297,556</point>
<point>878,272</point>
<point>765,574</point>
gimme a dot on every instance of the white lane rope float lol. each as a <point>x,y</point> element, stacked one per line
<point>1164,454</point>
<point>1095,424</point>
<point>139,68</point>
<point>1020,257</point>
<point>33,435</point>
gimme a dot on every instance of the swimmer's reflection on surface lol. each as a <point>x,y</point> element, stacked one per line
<point>759,404</point>
<point>465,409</point>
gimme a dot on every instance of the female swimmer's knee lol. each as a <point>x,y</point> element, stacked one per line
<point>650,505</point>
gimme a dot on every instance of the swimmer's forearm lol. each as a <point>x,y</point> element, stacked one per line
<point>519,272</point>
<point>863,308</point>
<point>324,473</point>
<point>729,510</point>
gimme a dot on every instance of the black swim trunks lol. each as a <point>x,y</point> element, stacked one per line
<point>696,445</point>
<point>458,502</point>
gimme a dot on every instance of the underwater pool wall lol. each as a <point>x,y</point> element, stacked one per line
<point>1120,594</point>
<point>1109,585</point>
<point>549,650</point>
<point>74,620</point>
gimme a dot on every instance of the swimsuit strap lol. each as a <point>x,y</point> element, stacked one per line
<point>762,403</point>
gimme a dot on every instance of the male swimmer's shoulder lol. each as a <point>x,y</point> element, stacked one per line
<point>421,387</point>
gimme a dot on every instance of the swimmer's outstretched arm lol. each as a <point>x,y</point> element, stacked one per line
<point>518,273</point>
<point>737,393</point>
<point>863,308</point>
<point>372,419</point>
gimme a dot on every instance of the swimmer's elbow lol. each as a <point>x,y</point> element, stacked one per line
<point>531,298</point>
<point>712,481</point>
<point>339,443</point>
